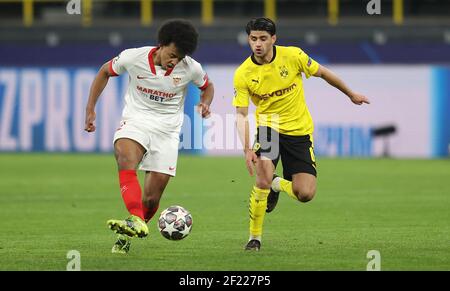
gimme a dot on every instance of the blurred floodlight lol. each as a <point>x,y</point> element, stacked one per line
<point>115,39</point>
<point>52,39</point>
<point>311,38</point>
<point>242,38</point>
<point>379,37</point>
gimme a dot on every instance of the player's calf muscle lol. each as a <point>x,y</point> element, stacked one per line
<point>151,201</point>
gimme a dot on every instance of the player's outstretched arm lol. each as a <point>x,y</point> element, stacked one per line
<point>336,82</point>
<point>97,87</point>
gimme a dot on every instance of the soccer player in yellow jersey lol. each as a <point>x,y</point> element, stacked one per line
<point>272,78</point>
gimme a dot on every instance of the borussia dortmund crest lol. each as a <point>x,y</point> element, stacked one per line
<point>284,72</point>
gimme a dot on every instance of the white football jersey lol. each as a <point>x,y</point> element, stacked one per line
<point>154,95</point>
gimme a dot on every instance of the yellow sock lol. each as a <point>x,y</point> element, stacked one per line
<point>286,186</point>
<point>257,210</point>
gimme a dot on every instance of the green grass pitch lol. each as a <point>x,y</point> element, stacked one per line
<point>53,203</point>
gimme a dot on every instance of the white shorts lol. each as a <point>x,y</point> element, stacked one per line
<point>161,148</point>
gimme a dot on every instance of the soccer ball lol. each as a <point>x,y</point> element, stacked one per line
<point>175,223</point>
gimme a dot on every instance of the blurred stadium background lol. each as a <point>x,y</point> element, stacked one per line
<point>397,52</point>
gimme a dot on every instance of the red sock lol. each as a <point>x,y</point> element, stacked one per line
<point>131,192</point>
<point>149,212</point>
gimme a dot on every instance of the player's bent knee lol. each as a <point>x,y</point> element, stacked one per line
<point>263,184</point>
<point>124,163</point>
<point>304,195</point>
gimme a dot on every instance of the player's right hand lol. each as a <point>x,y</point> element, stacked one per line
<point>89,121</point>
<point>250,160</point>
<point>203,110</point>
<point>358,99</point>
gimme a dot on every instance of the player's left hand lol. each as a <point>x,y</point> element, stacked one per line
<point>203,110</point>
<point>358,99</point>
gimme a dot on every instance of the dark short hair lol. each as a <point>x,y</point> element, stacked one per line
<point>261,24</point>
<point>180,32</point>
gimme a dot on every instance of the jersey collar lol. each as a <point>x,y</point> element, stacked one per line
<point>152,64</point>
<point>273,57</point>
<point>150,60</point>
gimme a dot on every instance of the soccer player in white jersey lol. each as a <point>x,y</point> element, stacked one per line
<point>148,136</point>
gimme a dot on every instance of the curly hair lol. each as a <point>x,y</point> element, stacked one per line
<point>180,32</point>
<point>261,24</point>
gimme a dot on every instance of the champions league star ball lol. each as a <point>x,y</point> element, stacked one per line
<point>175,223</point>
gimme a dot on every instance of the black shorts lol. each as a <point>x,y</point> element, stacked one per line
<point>296,152</point>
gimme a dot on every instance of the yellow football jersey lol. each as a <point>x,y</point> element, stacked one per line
<point>276,89</point>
